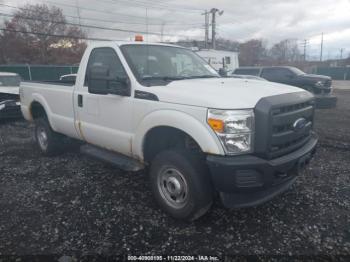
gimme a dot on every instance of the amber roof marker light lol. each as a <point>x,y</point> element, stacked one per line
<point>139,38</point>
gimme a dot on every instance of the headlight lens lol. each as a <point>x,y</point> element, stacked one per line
<point>319,84</point>
<point>235,129</point>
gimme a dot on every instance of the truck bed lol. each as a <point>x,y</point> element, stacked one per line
<point>57,99</point>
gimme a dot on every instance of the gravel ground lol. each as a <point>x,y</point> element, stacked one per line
<point>74,205</point>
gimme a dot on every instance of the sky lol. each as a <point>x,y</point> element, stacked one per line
<point>270,20</point>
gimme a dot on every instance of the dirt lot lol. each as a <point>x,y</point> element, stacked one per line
<point>72,204</point>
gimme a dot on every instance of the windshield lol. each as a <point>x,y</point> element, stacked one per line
<point>165,63</point>
<point>297,71</point>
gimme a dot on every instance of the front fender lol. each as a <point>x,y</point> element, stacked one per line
<point>203,135</point>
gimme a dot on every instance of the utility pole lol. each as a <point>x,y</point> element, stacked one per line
<point>78,12</point>
<point>321,47</point>
<point>206,28</point>
<point>304,45</point>
<point>213,12</point>
<point>162,32</point>
<point>341,53</point>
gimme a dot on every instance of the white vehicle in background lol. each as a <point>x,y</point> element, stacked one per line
<point>137,104</point>
<point>9,95</point>
<point>220,59</point>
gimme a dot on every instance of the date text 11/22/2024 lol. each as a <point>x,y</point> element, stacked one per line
<point>173,258</point>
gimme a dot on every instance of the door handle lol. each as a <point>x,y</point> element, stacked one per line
<point>80,100</point>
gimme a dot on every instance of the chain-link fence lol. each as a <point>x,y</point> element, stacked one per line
<point>39,72</point>
<point>337,73</point>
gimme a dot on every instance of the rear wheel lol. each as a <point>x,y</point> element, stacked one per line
<point>181,184</point>
<point>49,142</point>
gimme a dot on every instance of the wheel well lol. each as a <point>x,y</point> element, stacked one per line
<point>37,110</point>
<point>163,138</point>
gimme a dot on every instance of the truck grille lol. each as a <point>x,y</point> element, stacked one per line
<point>283,124</point>
<point>328,83</point>
<point>284,137</point>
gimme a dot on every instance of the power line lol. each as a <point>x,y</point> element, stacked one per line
<point>169,23</point>
<point>58,35</point>
<point>89,26</point>
<point>95,10</point>
<point>152,5</point>
<point>98,11</point>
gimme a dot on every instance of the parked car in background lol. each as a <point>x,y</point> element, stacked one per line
<point>319,85</point>
<point>9,95</point>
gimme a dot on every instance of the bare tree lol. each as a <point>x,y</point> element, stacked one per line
<point>34,35</point>
<point>285,52</point>
<point>227,45</point>
<point>252,52</point>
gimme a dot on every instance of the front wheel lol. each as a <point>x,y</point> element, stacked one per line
<point>181,184</point>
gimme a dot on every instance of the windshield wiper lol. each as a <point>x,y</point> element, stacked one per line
<point>163,78</point>
<point>202,76</point>
<point>176,78</point>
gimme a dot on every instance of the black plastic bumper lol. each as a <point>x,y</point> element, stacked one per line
<point>248,180</point>
<point>10,109</point>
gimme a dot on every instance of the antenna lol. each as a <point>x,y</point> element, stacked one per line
<point>321,48</point>
<point>147,24</point>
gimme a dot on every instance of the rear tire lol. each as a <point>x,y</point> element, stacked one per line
<point>49,142</point>
<point>181,184</point>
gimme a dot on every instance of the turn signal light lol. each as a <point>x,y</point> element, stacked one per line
<point>216,125</point>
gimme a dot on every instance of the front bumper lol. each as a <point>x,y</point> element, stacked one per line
<point>10,109</point>
<point>248,180</point>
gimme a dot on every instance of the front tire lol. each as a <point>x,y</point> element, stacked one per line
<point>181,184</point>
<point>49,142</point>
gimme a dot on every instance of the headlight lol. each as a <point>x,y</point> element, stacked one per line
<point>319,84</point>
<point>235,129</point>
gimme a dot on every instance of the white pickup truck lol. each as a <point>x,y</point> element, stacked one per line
<point>141,105</point>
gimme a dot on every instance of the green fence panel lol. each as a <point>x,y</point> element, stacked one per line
<point>337,73</point>
<point>48,73</point>
<point>75,69</point>
<point>40,72</point>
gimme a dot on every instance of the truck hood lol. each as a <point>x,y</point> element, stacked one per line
<point>315,78</point>
<point>221,93</point>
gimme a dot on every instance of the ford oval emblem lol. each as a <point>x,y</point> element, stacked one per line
<point>299,124</point>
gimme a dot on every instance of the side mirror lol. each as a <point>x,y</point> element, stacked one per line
<point>223,72</point>
<point>120,86</point>
<point>98,78</point>
<point>100,82</point>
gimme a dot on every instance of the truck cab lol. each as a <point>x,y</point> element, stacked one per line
<point>160,106</point>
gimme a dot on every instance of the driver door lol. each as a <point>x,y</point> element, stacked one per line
<point>105,119</point>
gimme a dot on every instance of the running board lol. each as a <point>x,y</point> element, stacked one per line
<point>119,160</point>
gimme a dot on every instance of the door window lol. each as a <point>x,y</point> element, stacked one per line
<point>275,74</point>
<point>247,71</point>
<point>106,57</point>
